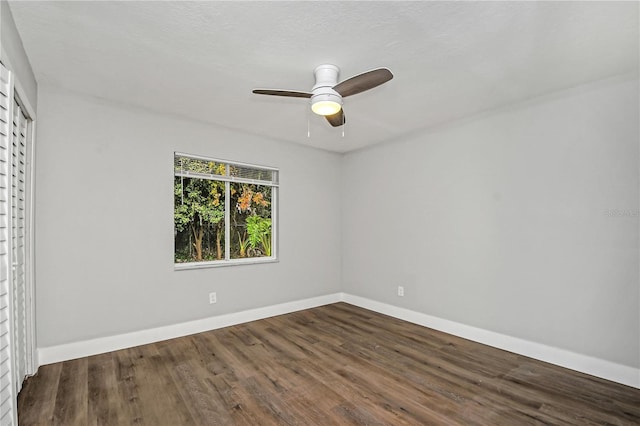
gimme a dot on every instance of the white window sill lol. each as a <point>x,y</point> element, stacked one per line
<point>222,263</point>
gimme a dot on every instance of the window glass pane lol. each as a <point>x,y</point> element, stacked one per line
<point>251,173</point>
<point>197,166</point>
<point>198,219</point>
<point>250,220</point>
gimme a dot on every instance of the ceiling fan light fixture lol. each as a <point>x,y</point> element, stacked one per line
<point>327,94</point>
<point>326,104</point>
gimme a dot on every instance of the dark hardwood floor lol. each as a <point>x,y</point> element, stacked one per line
<point>332,365</point>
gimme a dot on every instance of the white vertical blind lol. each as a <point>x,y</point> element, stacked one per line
<point>15,126</point>
<point>8,387</point>
<point>18,169</point>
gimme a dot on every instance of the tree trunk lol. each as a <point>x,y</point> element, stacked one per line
<point>218,243</point>
<point>198,233</point>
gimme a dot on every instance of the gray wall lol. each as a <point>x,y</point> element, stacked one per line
<point>499,221</point>
<point>13,56</point>
<point>502,221</point>
<point>104,224</point>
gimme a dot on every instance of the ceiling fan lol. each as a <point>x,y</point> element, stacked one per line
<point>326,95</point>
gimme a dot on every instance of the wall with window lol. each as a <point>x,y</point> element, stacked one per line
<point>523,221</point>
<point>105,233</point>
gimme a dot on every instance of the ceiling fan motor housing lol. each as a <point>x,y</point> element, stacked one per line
<point>326,77</point>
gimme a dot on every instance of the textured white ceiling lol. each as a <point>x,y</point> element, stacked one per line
<point>202,59</point>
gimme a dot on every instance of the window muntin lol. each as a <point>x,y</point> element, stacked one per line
<point>224,212</point>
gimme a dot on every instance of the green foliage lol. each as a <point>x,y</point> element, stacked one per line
<point>249,200</point>
<point>259,230</point>
<point>199,212</point>
<point>197,207</point>
<point>196,202</point>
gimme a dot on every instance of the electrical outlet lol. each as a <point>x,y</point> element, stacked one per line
<point>400,290</point>
<point>212,298</point>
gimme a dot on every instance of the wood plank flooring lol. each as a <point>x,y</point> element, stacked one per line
<point>332,365</point>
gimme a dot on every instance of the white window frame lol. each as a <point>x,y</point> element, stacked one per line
<point>274,184</point>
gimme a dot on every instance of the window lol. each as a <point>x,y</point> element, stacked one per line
<point>224,212</point>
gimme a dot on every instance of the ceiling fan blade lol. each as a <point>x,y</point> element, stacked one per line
<point>337,119</point>
<point>287,93</point>
<point>361,82</point>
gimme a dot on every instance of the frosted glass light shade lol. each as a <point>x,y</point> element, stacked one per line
<point>326,104</point>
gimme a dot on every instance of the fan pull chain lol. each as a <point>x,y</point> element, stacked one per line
<point>344,124</point>
<point>308,124</point>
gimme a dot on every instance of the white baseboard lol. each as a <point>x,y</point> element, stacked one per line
<point>585,364</point>
<point>65,352</point>
<point>594,366</point>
